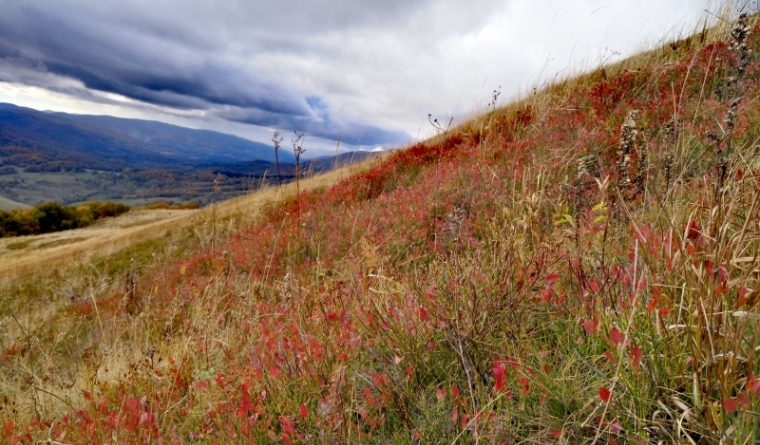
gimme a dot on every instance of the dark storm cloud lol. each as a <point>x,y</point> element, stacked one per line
<point>185,55</point>
<point>117,59</point>
<point>356,68</point>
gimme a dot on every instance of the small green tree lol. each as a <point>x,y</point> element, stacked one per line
<point>53,217</point>
<point>22,222</point>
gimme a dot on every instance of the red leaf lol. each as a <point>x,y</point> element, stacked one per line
<point>8,429</point>
<point>743,292</point>
<point>653,304</point>
<point>524,385</point>
<point>753,385</point>
<point>287,425</point>
<point>422,312</point>
<point>591,326</point>
<point>636,355</point>
<point>304,411</point>
<point>379,380</point>
<point>499,373</point>
<point>440,394</point>
<point>245,403</point>
<point>616,336</point>
<point>645,231</point>
<point>605,394</point>
<point>593,286</point>
<point>556,434</point>
<point>744,399</point>
<point>730,405</point>
<point>551,279</point>
<point>694,232</point>
<point>709,267</point>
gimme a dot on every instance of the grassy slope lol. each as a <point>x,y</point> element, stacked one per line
<point>38,251</point>
<point>9,204</point>
<point>559,271</point>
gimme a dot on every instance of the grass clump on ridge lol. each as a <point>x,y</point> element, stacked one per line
<point>578,268</point>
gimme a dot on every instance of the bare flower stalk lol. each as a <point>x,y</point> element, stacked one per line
<point>494,98</point>
<point>631,158</point>
<point>298,150</point>
<point>440,129</point>
<point>277,140</point>
<point>740,33</point>
<point>586,177</point>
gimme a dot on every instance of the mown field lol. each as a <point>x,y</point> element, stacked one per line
<point>580,266</point>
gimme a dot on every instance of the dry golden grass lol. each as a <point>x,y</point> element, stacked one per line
<point>249,204</point>
<point>19,255</point>
<point>60,254</point>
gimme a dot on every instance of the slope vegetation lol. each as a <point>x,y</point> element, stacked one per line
<point>579,267</point>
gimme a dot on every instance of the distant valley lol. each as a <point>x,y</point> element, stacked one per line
<point>46,156</point>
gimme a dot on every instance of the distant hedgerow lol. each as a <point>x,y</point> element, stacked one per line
<point>53,217</point>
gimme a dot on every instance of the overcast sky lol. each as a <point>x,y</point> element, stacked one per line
<point>370,71</point>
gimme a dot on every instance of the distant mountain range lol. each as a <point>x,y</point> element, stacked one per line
<point>169,140</point>
<point>108,143</point>
<point>69,158</point>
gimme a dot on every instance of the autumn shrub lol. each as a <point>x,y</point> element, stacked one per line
<point>53,217</point>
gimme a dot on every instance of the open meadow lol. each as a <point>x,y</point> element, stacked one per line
<point>580,266</point>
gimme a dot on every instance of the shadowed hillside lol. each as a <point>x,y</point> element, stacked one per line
<point>74,141</point>
<point>71,158</point>
<point>184,143</point>
<point>577,267</point>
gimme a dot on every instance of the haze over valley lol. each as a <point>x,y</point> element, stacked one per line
<point>68,158</point>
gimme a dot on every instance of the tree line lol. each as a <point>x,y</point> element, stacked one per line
<point>54,217</point>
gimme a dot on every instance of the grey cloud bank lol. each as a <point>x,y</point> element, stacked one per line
<point>365,71</point>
